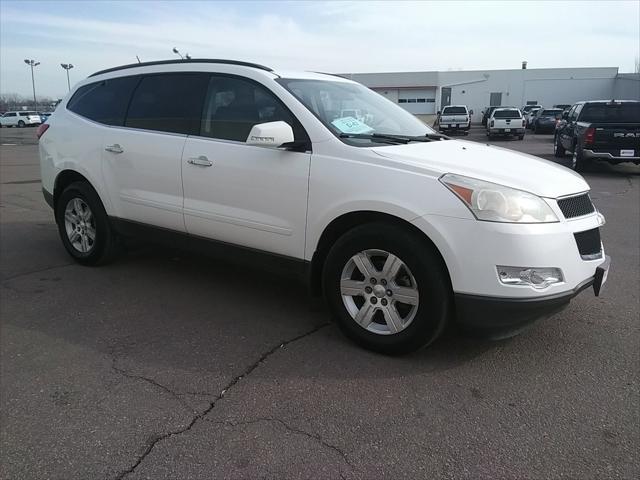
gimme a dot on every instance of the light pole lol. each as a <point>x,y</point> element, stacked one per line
<point>67,67</point>
<point>186,55</point>
<point>33,63</point>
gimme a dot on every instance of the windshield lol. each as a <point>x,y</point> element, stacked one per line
<point>506,114</point>
<point>351,108</point>
<point>611,112</point>
<point>454,111</point>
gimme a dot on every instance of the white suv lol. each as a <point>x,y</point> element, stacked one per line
<point>402,229</point>
<point>20,119</point>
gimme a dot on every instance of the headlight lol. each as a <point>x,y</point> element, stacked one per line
<point>495,203</point>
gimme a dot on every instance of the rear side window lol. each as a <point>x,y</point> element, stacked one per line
<point>234,105</point>
<point>104,102</point>
<point>506,114</point>
<point>454,111</point>
<point>169,102</point>
<point>611,112</point>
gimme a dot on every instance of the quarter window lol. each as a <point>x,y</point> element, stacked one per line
<point>234,105</point>
<point>106,101</point>
<point>170,102</point>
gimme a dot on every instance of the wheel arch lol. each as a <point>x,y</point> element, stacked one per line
<point>347,221</point>
<point>66,178</point>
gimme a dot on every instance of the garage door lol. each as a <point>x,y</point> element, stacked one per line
<point>419,102</point>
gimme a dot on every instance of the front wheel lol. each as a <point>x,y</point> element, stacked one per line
<point>21,124</point>
<point>521,137</point>
<point>83,225</point>
<point>388,288</point>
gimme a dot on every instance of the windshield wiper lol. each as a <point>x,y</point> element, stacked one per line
<point>392,138</point>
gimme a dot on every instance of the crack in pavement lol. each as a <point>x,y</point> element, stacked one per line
<point>127,374</point>
<point>45,269</point>
<point>247,371</point>
<point>297,431</point>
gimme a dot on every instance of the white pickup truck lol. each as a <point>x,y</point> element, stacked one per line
<point>454,118</point>
<point>506,121</point>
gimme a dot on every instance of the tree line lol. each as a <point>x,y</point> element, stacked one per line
<point>14,101</point>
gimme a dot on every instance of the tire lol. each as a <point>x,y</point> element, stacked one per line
<point>21,124</point>
<point>80,214</point>
<point>420,277</point>
<point>521,137</point>
<point>558,150</point>
<point>578,162</point>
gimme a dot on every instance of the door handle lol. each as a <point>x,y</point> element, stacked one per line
<point>115,148</point>
<point>201,161</point>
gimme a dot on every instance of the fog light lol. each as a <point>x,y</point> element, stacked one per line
<point>532,276</point>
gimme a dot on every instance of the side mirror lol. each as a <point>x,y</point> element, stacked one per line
<point>270,134</point>
<point>438,112</point>
<point>470,112</point>
<point>565,116</point>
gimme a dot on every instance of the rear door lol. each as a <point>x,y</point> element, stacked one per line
<point>238,193</point>
<point>141,159</point>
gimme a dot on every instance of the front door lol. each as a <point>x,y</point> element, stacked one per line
<point>241,194</point>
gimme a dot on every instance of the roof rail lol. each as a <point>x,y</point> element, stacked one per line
<point>190,60</point>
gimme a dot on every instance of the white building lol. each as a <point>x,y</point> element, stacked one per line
<point>425,93</point>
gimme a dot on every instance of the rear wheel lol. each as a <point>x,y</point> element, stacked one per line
<point>83,225</point>
<point>578,162</point>
<point>558,149</point>
<point>387,288</point>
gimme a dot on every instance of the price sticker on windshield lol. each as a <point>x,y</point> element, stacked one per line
<point>351,125</point>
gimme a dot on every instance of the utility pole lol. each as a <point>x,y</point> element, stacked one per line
<point>32,64</point>
<point>67,67</point>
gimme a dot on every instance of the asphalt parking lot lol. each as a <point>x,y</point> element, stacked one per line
<point>165,365</point>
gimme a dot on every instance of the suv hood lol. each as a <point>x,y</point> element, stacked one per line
<point>485,162</point>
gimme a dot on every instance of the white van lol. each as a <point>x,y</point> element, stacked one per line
<point>401,229</point>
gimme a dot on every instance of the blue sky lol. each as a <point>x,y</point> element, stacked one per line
<point>355,36</point>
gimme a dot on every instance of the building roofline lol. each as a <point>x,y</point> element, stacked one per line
<point>190,60</point>
<point>347,75</point>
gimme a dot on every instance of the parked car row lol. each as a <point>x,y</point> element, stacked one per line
<point>22,118</point>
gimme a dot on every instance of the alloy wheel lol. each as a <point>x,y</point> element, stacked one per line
<point>79,225</point>
<point>379,292</point>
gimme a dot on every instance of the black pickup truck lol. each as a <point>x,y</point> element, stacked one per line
<point>607,130</point>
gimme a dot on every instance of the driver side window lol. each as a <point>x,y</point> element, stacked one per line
<point>234,105</point>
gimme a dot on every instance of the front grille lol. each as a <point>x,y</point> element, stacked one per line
<point>576,206</point>
<point>588,242</point>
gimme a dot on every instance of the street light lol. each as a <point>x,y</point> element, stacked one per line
<point>186,55</point>
<point>67,67</point>
<point>33,63</point>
